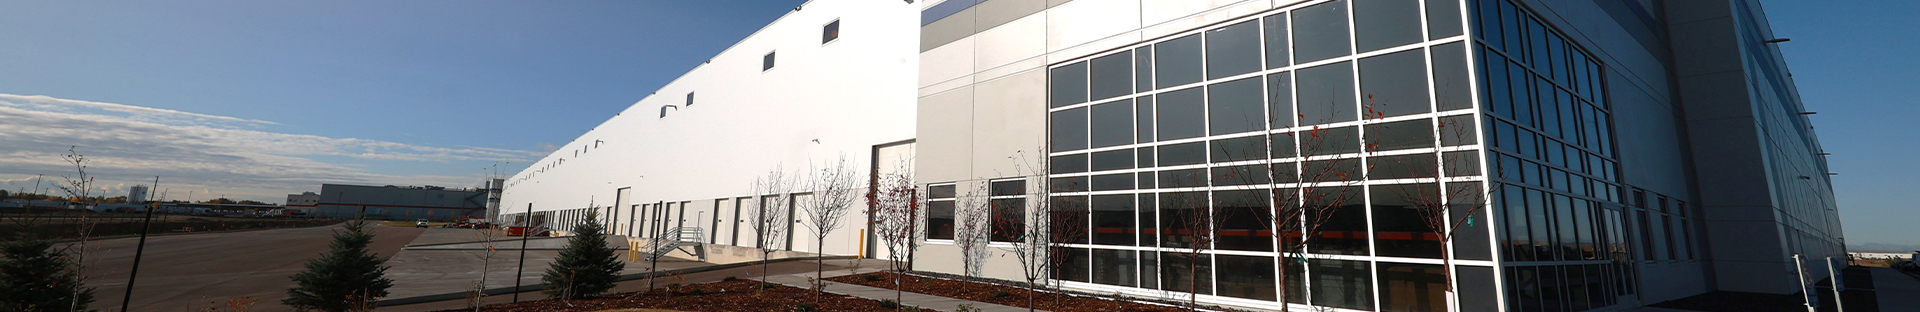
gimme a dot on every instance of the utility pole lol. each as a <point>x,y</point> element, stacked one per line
<point>526,229</point>
<point>145,227</point>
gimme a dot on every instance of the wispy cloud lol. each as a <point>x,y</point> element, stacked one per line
<point>131,144</point>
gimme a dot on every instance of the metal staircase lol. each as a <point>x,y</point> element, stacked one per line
<point>678,239</point>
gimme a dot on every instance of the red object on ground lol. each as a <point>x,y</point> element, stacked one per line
<point>521,230</point>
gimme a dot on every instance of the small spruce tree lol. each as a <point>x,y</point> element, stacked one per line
<point>36,276</point>
<point>347,278</point>
<point>588,267</point>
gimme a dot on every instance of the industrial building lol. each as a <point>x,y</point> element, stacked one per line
<point>342,201</point>
<point>1623,152</point>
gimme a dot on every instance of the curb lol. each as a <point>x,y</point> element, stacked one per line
<point>622,278</point>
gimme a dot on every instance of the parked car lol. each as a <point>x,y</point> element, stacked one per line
<point>420,223</point>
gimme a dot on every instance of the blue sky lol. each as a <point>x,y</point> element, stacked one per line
<point>258,99</point>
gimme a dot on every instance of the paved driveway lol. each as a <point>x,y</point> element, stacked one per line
<point>194,271</point>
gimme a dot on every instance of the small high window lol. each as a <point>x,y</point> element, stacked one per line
<point>830,32</point>
<point>689,98</point>
<point>766,63</point>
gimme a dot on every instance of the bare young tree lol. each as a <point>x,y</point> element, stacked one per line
<point>770,220</point>
<point>974,222</point>
<point>1030,244</point>
<point>1312,177</point>
<point>1442,207</point>
<point>894,206</point>
<point>78,188</point>
<point>1197,233</point>
<point>487,237</point>
<point>834,193</point>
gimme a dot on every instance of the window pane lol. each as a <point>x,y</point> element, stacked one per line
<point>1400,213</point>
<point>1150,270</point>
<point>1251,277</point>
<point>1443,18</point>
<point>1143,119</point>
<point>1183,154</point>
<point>940,191</point>
<point>1111,182</point>
<point>1417,133</point>
<point>1009,219</point>
<point>1461,164</point>
<point>1329,141</point>
<point>1280,99</point>
<point>1068,184</point>
<point>1457,130</point>
<point>832,31</point>
<point>1326,94</point>
<point>1143,69</point>
<point>1381,24</point>
<point>1113,220</point>
<point>1069,130</point>
<point>1148,230</point>
<point>940,220</point>
<point>766,62</point>
<point>1186,272</point>
<point>1238,149</point>
<point>1069,85</point>
<point>1234,106</point>
<point>1467,202</point>
<point>1450,84</point>
<point>1113,160</point>
<point>1067,164</point>
<point>1067,220</point>
<point>1240,175</point>
<point>1394,84</point>
<point>1476,288</point>
<point>1183,178</point>
<point>1143,157</point>
<point>1320,32</point>
<point>1073,264</point>
<point>1179,214</point>
<point>1278,55</point>
<point>1112,123</point>
<point>1112,75</point>
<point>1281,145</point>
<point>1181,114</point>
<point>1114,267</point>
<point>1009,188</point>
<point>1342,283</point>
<point>1177,61</point>
<point>1345,230</point>
<point>1242,218</point>
<point>1412,287</point>
<point>1233,50</point>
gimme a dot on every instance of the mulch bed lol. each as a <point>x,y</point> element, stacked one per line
<point>997,294</point>
<point>734,295</point>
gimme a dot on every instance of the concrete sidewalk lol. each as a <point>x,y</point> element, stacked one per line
<point>1896,291</point>
<point>906,298</point>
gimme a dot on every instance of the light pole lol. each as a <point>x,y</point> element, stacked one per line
<point>141,248</point>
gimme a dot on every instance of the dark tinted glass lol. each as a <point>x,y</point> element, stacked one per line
<point>1068,184</point>
<point>1112,75</point>
<point>1394,84</point>
<point>1143,119</point>
<point>1412,287</point>
<point>1234,106</point>
<point>766,62</point>
<point>1383,24</point>
<point>830,32</point>
<point>1009,188</point>
<point>940,191</point>
<point>1457,130</point>
<point>1280,99</point>
<point>1181,272</point>
<point>1067,163</point>
<point>1330,170</point>
<point>1179,212</point>
<point>1111,182</point>
<point>1450,86</point>
<point>1073,264</point>
<point>1177,61</point>
<point>1251,277</point>
<point>1278,54</point>
<point>1241,175</point>
<point>1181,114</point>
<point>1114,267</point>
<point>1281,145</point>
<point>1329,141</point>
<point>1143,69</point>
<point>1183,154</point>
<point>1320,32</point>
<point>1069,130</point>
<point>1284,172</point>
<point>1113,220</point>
<point>1112,123</point>
<point>1461,164</point>
<point>1238,149</point>
<point>1113,160</point>
<point>1342,283</point>
<point>1233,50</point>
<point>1183,178</point>
<point>1069,85</point>
<point>1470,238</point>
<point>1326,94</point>
<point>1399,224</point>
<point>1443,18</point>
<point>1143,157</point>
<point>1400,135</point>
<point>1240,216</point>
<point>940,220</point>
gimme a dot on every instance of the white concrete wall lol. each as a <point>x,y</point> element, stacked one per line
<point>819,102</point>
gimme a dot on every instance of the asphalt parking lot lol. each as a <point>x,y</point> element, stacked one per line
<point>196,271</point>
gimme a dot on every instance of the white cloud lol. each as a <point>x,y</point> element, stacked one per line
<point>208,153</point>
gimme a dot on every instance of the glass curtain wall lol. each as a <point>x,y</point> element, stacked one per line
<point>1550,157</point>
<point>1184,144</point>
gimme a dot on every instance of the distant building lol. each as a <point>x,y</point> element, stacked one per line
<point>303,201</point>
<point>137,194</point>
<point>399,202</point>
